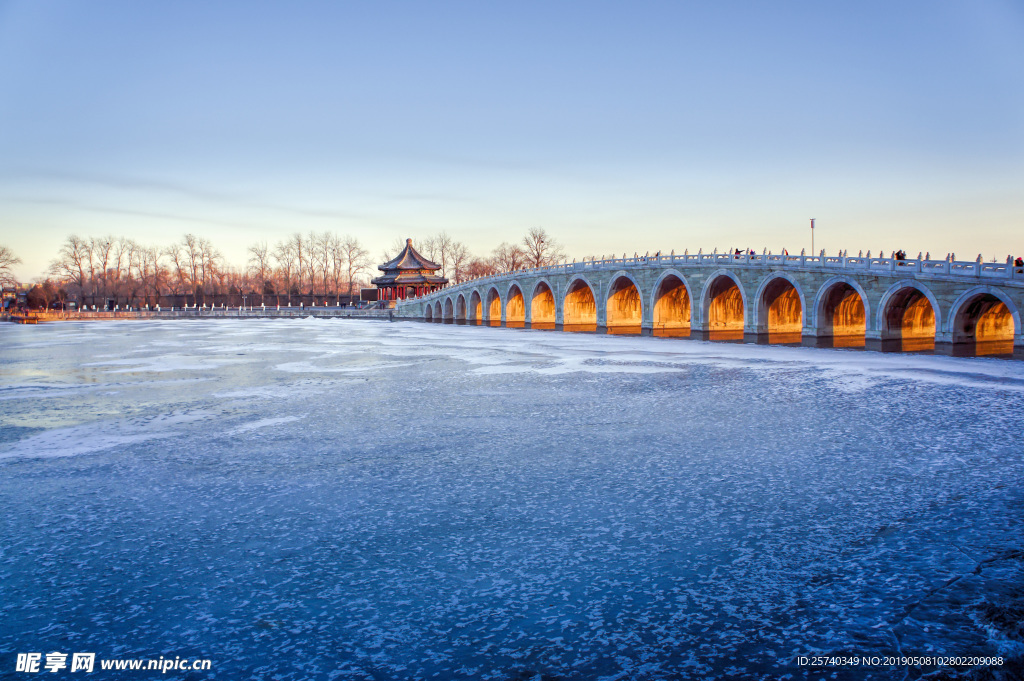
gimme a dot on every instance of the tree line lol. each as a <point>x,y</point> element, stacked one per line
<point>117,270</point>
<point>304,268</point>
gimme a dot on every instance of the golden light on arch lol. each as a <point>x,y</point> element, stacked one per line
<point>672,308</point>
<point>542,307</point>
<point>781,311</point>
<point>910,317</point>
<point>725,309</point>
<point>515,308</point>
<point>625,309</point>
<point>579,312</point>
<point>493,308</point>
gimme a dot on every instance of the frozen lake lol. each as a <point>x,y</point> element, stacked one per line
<point>360,500</point>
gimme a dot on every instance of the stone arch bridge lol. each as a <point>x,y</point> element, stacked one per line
<point>951,307</point>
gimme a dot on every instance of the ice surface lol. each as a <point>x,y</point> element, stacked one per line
<point>344,499</point>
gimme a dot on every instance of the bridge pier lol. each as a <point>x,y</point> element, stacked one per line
<point>756,337</point>
<point>646,331</point>
<point>814,341</point>
<point>884,344</point>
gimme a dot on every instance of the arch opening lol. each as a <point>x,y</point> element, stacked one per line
<point>542,308</point>
<point>910,318</point>
<point>460,310</point>
<point>449,314</point>
<point>428,313</point>
<point>438,319</point>
<point>579,310</point>
<point>476,309</point>
<point>983,326</point>
<point>624,308</point>
<point>781,312</point>
<point>493,308</point>
<point>672,308</point>
<point>725,310</point>
<point>843,320</point>
<point>515,309</point>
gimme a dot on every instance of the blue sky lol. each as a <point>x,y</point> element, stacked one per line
<point>616,126</point>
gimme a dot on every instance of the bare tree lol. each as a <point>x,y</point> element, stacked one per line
<point>102,249</point>
<point>178,281</point>
<point>541,250</point>
<point>459,256</point>
<point>153,274</point>
<point>322,256</point>
<point>259,264</point>
<point>72,263</point>
<point>480,267</point>
<point>284,254</point>
<point>508,257</point>
<point>356,260</point>
<point>209,266</point>
<point>7,261</point>
<point>443,244</point>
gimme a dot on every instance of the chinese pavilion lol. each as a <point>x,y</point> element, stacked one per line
<point>406,275</point>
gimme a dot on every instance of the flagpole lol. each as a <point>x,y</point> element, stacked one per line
<point>812,236</point>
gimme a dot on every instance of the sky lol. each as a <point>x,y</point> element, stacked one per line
<point>616,126</point>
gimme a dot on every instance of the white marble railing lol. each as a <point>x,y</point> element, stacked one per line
<point>862,264</point>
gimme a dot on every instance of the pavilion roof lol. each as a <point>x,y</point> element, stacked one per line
<point>408,259</point>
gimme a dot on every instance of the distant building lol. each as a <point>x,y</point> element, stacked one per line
<point>8,299</point>
<point>407,275</point>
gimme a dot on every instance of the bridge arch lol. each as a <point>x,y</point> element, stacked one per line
<point>428,313</point>
<point>624,306</point>
<point>908,312</point>
<point>579,306</point>
<point>780,308</point>
<point>449,311</point>
<point>672,305</point>
<point>841,312</point>
<point>543,311</point>
<point>493,306</point>
<point>476,308</point>
<point>983,321</point>
<point>460,309</point>
<point>723,302</point>
<point>515,306</point>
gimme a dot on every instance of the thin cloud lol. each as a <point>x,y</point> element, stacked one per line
<point>193,193</point>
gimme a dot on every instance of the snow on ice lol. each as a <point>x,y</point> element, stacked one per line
<point>359,500</point>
